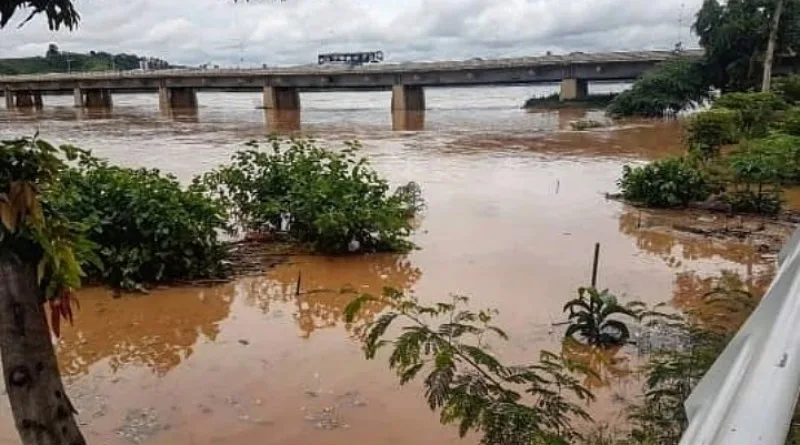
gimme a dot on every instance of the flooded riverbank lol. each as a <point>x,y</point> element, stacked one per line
<point>515,203</point>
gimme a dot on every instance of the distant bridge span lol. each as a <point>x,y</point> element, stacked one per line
<point>281,86</point>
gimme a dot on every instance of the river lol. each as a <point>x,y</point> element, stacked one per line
<point>515,203</point>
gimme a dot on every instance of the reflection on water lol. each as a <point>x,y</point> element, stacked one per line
<point>159,330</point>
<point>408,120</point>
<point>156,331</point>
<point>721,302</point>
<point>604,365</point>
<point>329,284</point>
<point>185,115</point>
<point>282,121</point>
<point>653,232</point>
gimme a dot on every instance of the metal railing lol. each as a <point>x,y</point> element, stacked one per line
<point>748,395</point>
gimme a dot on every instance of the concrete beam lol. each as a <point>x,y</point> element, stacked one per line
<point>408,98</point>
<point>100,98</point>
<point>280,98</point>
<point>572,89</point>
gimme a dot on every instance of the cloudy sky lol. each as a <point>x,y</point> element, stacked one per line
<point>192,32</point>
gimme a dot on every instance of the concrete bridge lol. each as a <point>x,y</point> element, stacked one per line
<point>281,86</point>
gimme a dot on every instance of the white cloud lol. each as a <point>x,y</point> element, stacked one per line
<point>291,32</point>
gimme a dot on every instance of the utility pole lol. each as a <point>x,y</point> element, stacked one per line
<point>770,54</point>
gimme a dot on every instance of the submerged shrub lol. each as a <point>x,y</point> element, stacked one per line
<point>147,227</point>
<point>707,131</point>
<point>334,200</point>
<point>788,88</point>
<point>756,111</point>
<point>670,182</point>
<point>790,124</point>
<point>672,86</point>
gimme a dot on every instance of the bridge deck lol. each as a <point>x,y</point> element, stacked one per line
<point>592,66</point>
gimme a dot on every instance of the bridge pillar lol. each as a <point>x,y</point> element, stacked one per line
<point>281,98</point>
<point>282,121</point>
<point>572,89</point>
<point>100,98</point>
<point>24,99</point>
<point>179,98</point>
<point>404,120</point>
<point>8,95</point>
<point>408,98</point>
<point>77,97</point>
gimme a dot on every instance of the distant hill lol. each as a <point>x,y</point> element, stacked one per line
<point>55,61</point>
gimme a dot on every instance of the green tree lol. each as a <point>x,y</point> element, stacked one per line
<point>52,51</point>
<point>669,88</point>
<point>39,263</point>
<point>58,12</point>
<point>735,36</point>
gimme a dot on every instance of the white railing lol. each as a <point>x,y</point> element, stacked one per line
<point>749,394</point>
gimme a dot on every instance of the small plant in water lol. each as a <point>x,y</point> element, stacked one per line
<point>591,317</point>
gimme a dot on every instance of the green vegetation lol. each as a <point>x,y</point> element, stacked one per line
<point>591,317</point>
<point>59,12</point>
<point>451,347</point>
<point>673,182</point>
<point>333,200</point>
<point>707,132</point>
<point>672,86</point>
<point>756,111</point>
<point>761,131</point>
<point>554,101</point>
<point>57,61</point>
<point>466,382</point>
<point>148,228</point>
<point>734,35</point>
<point>40,255</point>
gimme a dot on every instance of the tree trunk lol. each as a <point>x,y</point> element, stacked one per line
<point>770,54</point>
<point>42,412</point>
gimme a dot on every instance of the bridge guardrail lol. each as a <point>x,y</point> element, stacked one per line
<point>748,395</point>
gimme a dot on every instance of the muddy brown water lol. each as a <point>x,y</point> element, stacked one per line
<point>515,203</point>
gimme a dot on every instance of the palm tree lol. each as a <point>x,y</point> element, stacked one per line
<point>590,317</point>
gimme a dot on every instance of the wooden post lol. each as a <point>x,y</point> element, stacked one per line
<point>594,264</point>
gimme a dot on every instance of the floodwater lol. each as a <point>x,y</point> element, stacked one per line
<point>515,203</point>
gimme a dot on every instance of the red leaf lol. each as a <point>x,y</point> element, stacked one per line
<point>55,318</point>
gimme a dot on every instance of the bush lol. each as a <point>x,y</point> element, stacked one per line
<point>756,111</point>
<point>790,124</point>
<point>148,228</point>
<point>709,130</point>
<point>670,182</point>
<point>788,88</point>
<point>771,160</point>
<point>673,86</point>
<point>334,200</point>
<point>758,170</point>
